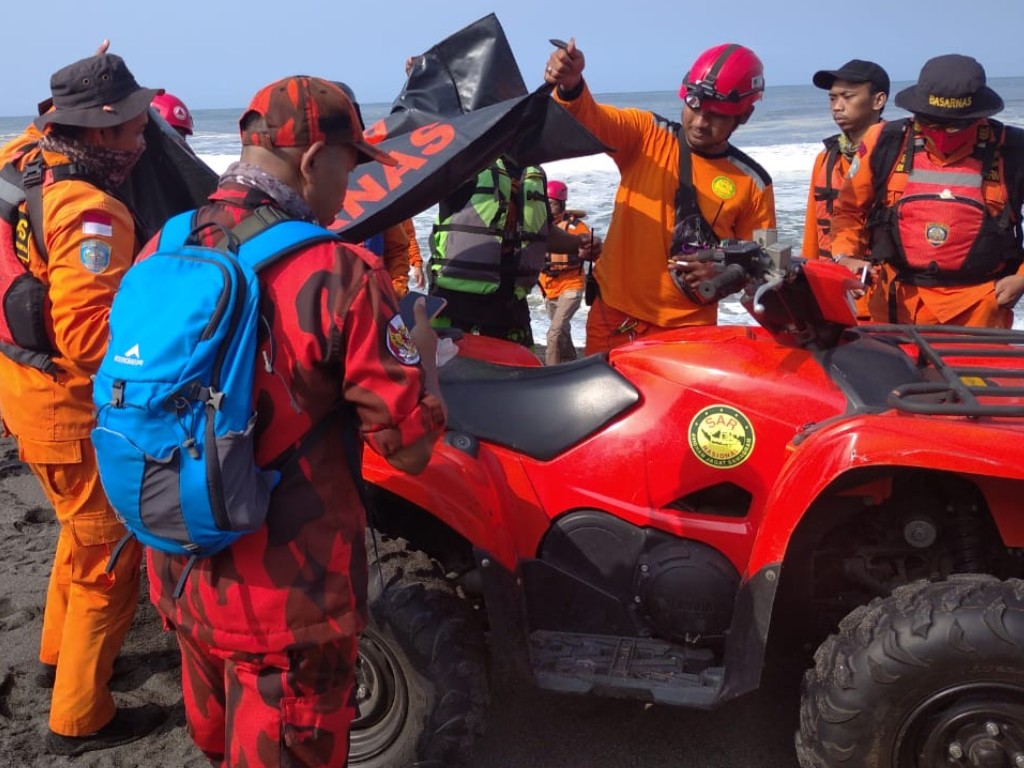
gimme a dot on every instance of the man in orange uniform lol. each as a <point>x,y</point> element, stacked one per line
<point>268,628</point>
<point>393,245</point>
<point>80,245</point>
<point>656,219</point>
<point>561,280</point>
<point>936,199</point>
<point>857,94</point>
<point>415,256</point>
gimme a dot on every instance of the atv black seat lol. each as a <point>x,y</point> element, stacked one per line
<point>868,369</point>
<point>540,412</point>
<point>963,371</point>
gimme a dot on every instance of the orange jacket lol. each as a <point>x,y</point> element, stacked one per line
<point>553,286</point>
<point>733,192</point>
<point>90,236</point>
<point>824,189</point>
<point>415,257</point>
<point>850,236</point>
<point>396,258</point>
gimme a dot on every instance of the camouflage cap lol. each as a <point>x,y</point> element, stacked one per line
<point>299,111</point>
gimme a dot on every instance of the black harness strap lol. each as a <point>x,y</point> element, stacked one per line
<point>686,195</point>
<point>33,178</point>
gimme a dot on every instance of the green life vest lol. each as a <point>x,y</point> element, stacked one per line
<point>498,238</point>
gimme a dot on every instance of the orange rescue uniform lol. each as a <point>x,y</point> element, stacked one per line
<point>396,258</point>
<point>415,257</point>
<point>90,237</point>
<point>973,305</point>
<point>821,198</point>
<point>733,193</point>
<point>570,279</point>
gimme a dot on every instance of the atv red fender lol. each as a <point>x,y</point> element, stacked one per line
<point>639,524</point>
<point>849,449</point>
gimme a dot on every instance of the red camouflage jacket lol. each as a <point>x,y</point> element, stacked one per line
<point>301,579</point>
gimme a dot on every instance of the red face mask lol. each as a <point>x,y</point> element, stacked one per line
<point>948,142</point>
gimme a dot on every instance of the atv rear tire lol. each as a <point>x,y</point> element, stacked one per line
<point>932,675</point>
<point>421,685</point>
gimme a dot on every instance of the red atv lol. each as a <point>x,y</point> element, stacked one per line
<point>644,523</point>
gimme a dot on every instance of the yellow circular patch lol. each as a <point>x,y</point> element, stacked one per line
<point>721,436</point>
<point>724,187</point>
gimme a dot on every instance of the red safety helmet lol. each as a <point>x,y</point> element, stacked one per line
<point>727,79</point>
<point>173,110</point>
<point>558,191</point>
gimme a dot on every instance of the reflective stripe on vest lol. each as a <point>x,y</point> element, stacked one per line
<point>474,247</point>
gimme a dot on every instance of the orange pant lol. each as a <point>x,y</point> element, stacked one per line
<point>608,328</point>
<point>970,305</point>
<point>88,612</point>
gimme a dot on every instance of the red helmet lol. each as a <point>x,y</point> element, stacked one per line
<point>727,79</point>
<point>173,110</point>
<point>558,191</point>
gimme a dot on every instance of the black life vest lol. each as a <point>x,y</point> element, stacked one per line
<point>940,231</point>
<point>24,300</point>
<point>826,190</point>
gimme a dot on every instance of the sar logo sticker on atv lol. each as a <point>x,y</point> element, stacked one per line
<point>721,436</point>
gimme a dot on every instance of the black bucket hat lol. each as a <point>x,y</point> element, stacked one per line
<point>951,87</point>
<point>97,92</point>
<point>854,71</point>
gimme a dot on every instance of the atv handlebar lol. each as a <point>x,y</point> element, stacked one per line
<point>731,279</point>
<point>737,263</point>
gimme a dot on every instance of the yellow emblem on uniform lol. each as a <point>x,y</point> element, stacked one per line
<point>721,436</point>
<point>724,187</point>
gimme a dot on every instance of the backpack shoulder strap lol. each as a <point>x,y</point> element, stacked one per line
<point>176,230</point>
<point>886,153</point>
<point>279,239</point>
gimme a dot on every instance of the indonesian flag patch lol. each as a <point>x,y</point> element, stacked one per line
<point>97,224</point>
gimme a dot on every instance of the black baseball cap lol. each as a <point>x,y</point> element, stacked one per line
<point>854,71</point>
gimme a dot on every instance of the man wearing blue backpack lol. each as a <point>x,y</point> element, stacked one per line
<point>268,625</point>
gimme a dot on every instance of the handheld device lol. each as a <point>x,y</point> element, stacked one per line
<point>405,307</point>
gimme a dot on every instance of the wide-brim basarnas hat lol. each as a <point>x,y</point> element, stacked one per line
<point>951,87</point>
<point>97,92</point>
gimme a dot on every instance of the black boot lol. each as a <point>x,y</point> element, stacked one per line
<point>127,726</point>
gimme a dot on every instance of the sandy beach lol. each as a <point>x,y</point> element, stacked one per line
<point>147,671</point>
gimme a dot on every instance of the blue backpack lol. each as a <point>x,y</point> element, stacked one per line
<point>175,418</point>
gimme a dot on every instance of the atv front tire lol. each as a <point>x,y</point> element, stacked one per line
<point>931,676</point>
<point>421,686</point>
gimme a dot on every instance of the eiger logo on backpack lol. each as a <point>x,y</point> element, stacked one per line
<point>175,429</point>
<point>132,356</point>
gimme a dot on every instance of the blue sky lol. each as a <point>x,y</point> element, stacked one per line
<point>216,53</point>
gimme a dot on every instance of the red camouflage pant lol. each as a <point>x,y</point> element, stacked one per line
<point>270,710</point>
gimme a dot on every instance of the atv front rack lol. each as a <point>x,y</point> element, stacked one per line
<point>970,372</point>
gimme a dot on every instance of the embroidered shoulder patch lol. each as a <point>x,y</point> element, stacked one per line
<point>400,343</point>
<point>95,256</point>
